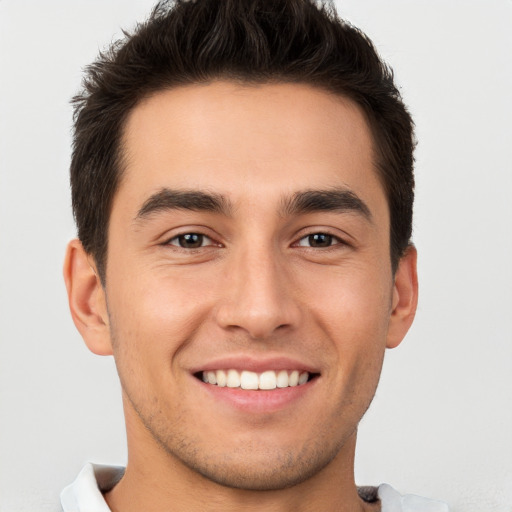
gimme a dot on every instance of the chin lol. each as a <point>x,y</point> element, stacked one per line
<point>257,469</point>
<point>252,478</point>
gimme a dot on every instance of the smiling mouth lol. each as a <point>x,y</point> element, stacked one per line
<point>248,380</point>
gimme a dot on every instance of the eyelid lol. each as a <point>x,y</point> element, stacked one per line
<point>165,237</point>
<point>336,239</point>
<point>205,238</point>
<point>210,241</point>
<point>340,237</point>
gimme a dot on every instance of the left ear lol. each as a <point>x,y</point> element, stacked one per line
<point>405,298</point>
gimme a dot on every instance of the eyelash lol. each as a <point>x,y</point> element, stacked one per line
<point>182,236</point>
<point>332,239</point>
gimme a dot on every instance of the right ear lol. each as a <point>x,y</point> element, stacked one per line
<point>86,297</point>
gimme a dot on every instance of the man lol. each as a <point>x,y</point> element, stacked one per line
<point>242,185</point>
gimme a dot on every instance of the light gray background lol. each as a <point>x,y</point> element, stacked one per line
<point>441,423</point>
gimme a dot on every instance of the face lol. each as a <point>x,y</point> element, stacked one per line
<point>248,248</point>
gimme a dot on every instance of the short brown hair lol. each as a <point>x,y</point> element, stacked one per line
<point>252,41</point>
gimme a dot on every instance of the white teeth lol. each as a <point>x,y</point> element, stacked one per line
<point>251,380</point>
<point>221,378</point>
<point>268,380</point>
<point>282,379</point>
<point>233,380</point>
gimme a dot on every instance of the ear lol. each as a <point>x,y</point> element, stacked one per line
<point>86,298</point>
<point>405,298</point>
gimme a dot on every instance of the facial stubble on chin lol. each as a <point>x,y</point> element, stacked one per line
<point>270,470</point>
<point>237,468</point>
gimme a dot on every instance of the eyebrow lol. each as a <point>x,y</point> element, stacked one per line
<point>339,200</point>
<point>168,199</point>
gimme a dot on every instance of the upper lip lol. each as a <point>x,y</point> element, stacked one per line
<point>255,364</point>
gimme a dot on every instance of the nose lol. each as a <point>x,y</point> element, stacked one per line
<point>258,295</point>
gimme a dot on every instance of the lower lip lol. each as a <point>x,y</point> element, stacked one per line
<point>258,401</point>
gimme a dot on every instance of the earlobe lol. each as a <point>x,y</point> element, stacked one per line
<point>86,298</point>
<point>405,298</point>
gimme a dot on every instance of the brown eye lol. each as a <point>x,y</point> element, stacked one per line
<point>318,241</point>
<point>190,241</point>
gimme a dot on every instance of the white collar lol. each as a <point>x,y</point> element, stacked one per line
<point>85,493</point>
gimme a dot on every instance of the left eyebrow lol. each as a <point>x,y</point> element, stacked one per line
<point>339,200</point>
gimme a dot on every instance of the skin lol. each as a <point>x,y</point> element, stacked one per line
<point>257,288</point>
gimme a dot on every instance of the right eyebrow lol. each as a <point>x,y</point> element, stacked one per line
<point>169,199</point>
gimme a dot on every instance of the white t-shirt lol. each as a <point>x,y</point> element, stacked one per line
<point>85,493</point>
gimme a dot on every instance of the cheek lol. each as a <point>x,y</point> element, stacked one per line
<point>352,300</point>
<point>152,317</point>
<point>352,308</point>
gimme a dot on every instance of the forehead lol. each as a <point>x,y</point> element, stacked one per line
<point>246,141</point>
